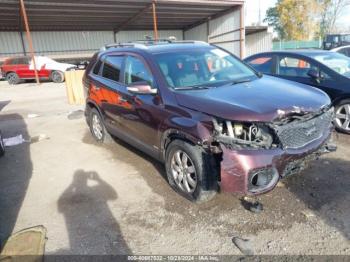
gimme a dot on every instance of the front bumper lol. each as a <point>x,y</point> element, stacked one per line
<point>239,167</point>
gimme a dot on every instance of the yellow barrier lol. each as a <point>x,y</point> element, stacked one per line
<point>74,87</point>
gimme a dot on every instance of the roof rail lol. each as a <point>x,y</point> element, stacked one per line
<point>148,42</point>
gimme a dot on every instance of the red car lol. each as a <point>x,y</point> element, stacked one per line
<point>17,69</point>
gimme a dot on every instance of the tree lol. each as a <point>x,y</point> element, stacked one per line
<point>330,12</point>
<point>273,19</point>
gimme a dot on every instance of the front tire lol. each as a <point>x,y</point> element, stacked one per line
<point>13,79</point>
<point>190,171</point>
<point>57,76</point>
<point>97,128</point>
<point>342,116</point>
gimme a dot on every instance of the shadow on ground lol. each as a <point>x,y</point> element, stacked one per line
<point>15,173</point>
<point>322,188</point>
<point>91,226</point>
<point>325,189</point>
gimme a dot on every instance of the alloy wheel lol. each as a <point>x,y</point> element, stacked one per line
<point>56,77</point>
<point>12,79</point>
<point>183,171</point>
<point>342,117</point>
<point>97,127</point>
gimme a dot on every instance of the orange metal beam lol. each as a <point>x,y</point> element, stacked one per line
<point>29,38</point>
<point>155,25</point>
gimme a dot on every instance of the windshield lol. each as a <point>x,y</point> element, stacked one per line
<point>337,62</point>
<point>200,68</point>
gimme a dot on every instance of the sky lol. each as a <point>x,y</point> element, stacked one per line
<point>252,8</point>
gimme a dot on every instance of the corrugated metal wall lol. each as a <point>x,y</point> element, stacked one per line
<point>125,36</point>
<point>53,43</point>
<point>65,43</point>
<point>259,42</point>
<point>198,33</point>
<point>56,43</point>
<point>10,42</point>
<point>220,32</point>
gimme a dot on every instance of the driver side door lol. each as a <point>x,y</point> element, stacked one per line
<point>141,121</point>
<point>296,69</point>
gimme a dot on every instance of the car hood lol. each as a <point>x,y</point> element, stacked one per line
<point>265,99</point>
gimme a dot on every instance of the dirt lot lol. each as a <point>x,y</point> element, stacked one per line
<point>96,199</point>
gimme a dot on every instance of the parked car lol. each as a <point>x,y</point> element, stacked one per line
<point>328,71</point>
<point>345,50</point>
<point>206,115</point>
<point>18,69</point>
<point>336,40</point>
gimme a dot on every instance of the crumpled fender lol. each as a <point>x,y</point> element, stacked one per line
<point>189,129</point>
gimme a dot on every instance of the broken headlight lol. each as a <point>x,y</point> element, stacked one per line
<point>242,135</point>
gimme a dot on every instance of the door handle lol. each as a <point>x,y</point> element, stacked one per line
<point>97,88</point>
<point>122,100</point>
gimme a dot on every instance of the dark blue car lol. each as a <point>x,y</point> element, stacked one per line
<point>326,70</point>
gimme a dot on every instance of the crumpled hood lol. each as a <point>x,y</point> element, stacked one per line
<point>265,99</point>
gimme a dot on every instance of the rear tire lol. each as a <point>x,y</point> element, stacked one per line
<point>342,116</point>
<point>12,78</point>
<point>190,171</point>
<point>97,128</point>
<point>57,76</point>
<point>2,146</point>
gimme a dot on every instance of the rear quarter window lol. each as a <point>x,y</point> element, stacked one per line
<point>262,64</point>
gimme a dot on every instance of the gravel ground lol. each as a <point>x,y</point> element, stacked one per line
<point>115,200</point>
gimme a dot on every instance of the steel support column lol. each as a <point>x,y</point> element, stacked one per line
<point>242,40</point>
<point>29,38</point>
<point>155,25</point>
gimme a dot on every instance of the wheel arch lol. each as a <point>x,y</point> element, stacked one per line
<point>9,72</point>
<point>343,97</point>
<point>90,104</point>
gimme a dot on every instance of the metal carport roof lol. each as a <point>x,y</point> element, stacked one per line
<point>84,15</point>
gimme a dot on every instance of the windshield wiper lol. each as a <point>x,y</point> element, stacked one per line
<point>240,81</point>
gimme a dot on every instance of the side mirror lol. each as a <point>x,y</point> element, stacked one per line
<point>142,88</point>
<point>313,74</point>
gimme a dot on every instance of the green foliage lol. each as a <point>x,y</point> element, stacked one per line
<point>304,19</point>
<point>273,19</point>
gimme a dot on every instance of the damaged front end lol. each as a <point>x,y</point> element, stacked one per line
<point>256,155</point>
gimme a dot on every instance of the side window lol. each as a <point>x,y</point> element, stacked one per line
<point>136,71</point>
<point>262,64</point>
<point>22,61</point>
<point>112,67</point>
<point>290,66</point>
<point>97,67</point>
<point>15,61</point>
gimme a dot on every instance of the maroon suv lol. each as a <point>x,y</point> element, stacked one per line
<point>212,120</point>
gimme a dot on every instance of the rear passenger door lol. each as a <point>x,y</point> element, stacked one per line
<point>107,88</point>
<point>21,67</point>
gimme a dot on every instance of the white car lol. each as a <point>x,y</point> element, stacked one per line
<point>345,50</point>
